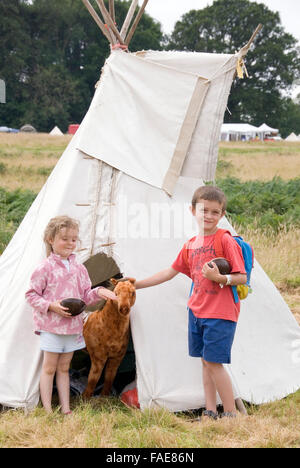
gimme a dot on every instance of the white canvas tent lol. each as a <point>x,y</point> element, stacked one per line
<point>148,140</point>
<point>292,137</point>
<point>56,131</point>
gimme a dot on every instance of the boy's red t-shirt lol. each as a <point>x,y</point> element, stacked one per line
<point>208,299</point>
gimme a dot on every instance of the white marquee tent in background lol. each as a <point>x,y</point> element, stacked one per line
<point>245,131</point>
<point>149,138</point>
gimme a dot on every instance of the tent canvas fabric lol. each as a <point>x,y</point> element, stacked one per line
<point>139,217</point>
<point>166,96</point>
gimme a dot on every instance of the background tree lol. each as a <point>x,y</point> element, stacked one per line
<point>53,57</point>
<point>15,52</point>
<point>289,116</point>
<point>273,64</point>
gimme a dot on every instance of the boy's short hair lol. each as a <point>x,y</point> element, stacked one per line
<point>209,192</point>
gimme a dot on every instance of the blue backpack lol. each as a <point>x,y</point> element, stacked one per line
<point>241,291</point>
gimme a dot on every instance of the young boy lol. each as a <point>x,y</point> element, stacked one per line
<point>212,311</point>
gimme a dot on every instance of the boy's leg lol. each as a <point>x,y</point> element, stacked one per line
<point>210,389</point>
<point>46,379</point>
<point>63,380</point>
<point>223,384</point>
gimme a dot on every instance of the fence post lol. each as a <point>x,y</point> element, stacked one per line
<point>2,92</point>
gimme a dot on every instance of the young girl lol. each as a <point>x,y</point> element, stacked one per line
<point>59,277</point>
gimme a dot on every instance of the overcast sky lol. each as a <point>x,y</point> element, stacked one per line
<point>167,12</point>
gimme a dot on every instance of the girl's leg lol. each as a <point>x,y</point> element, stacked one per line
<point>63,380</point>
<point>210,389</point>
<point>223,385</point>
<point>46,379</point>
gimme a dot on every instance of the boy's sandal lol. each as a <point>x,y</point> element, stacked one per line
<point>210,414</point>
<point>228,414</point>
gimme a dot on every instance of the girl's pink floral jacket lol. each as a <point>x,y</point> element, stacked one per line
<point>52,281</point>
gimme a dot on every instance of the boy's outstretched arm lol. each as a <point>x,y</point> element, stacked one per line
<point>157,278</point>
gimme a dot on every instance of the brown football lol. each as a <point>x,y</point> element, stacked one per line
<point>75,306</point>
<point>222,264</point>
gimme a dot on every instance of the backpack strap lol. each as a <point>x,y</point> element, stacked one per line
<point>218,242</point>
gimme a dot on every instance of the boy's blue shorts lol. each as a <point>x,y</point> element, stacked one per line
<point>211,339</point>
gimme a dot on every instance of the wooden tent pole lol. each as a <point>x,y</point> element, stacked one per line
<point>246,47</point>
<point>240,406</point>
<point>128,18</point>
<point>112,10</point>
<point>109,21</point>
<point>136,22</point>
<point>97,19</point>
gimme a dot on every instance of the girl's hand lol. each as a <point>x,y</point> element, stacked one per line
<point>59,309</point>
<point>211,273</point>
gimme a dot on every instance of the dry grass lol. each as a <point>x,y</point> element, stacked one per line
<point>259,160</point>
<point>109,424</point>
<point>279,255</point>
<point>26,160</point>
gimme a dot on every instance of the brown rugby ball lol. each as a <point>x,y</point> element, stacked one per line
<point>222,264</point>
<point>75,306</point>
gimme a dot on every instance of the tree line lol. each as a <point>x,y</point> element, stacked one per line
<point>52,54</point>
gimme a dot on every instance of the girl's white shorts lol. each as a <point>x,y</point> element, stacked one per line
<point>61,343</point>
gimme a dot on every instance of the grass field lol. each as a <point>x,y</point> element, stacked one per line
<point>25,163</point>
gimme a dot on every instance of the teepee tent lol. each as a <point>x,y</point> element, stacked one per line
<point>148,140</point>
<point>292,137</point>
<point>56,131</point>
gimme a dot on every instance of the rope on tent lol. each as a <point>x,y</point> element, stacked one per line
<point>241,69</point>
<point>119,46</point>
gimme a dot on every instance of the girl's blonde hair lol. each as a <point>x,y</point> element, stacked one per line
<point>55,225</point>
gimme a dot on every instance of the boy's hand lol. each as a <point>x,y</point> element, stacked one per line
<point>59,309</point>
<point>211,273</point>
<point>104,293</point>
